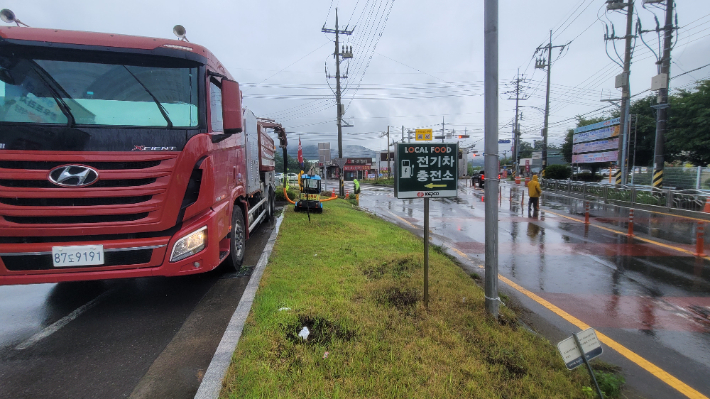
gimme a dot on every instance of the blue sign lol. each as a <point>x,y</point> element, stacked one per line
<point>503,141</point>
<point>599,125</point>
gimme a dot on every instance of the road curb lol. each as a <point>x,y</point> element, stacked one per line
<point>211,384</point>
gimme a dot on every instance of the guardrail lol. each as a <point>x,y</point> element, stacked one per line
<point>641,197</point>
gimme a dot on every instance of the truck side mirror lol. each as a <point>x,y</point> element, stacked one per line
<point>231,106</point>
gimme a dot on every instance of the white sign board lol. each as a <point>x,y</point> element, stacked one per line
<point>570,352</point>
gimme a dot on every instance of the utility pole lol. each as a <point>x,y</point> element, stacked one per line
<point>516,127</point>
<point>490,101</point>
<point>623,82</point>
<point>443,133</point>
<point>664,65</point>
<point>345,54</point>
<point>541,64</point>
<point>388,149</point>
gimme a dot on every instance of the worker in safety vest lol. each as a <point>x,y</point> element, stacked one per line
<point>357,186</point>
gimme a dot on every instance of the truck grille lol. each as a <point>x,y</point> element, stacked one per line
<point>44,262</point>
<point>75,219</point>
<point>131,187</point>
<point>45,165</point>
<point>75,201</point>
<point>98,184</point>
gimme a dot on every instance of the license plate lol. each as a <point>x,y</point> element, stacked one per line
<point>79,255</point>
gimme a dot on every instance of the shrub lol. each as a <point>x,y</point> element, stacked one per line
<point>559,172</point>
<point>279,194</point>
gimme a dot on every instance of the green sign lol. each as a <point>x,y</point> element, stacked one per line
<point>426,170</point>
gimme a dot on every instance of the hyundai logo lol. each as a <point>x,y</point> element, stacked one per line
<point>73,176</point>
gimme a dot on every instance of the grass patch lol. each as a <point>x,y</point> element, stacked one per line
<point>356,283</point>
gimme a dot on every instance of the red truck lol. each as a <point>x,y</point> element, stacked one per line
<point>124,156</point>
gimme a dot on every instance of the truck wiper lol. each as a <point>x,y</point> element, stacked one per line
<point>160,106</point>
<point>57,97</point>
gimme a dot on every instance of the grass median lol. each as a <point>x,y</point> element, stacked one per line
<point>356,283</point>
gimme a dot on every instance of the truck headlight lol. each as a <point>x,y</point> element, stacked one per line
<point>189,244</point>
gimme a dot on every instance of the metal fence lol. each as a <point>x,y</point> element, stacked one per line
<point>687,200</point>
<point>678,177</point>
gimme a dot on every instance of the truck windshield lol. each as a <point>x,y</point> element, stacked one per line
<point>88,93</point>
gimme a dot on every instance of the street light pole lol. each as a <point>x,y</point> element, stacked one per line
<point>490,99</point>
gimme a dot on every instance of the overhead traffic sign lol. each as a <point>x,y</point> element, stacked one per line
<point>426,170</point>
<point>423,135</point>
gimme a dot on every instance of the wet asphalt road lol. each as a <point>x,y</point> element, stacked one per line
<point>650,297</point>
<point>139,338</point>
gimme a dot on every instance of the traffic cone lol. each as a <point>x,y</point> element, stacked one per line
<point>707,205</point>
<point>483,198</point>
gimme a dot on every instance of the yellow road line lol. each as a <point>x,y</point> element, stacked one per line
<point>402,219</point>
<point>656,371</point>
<point>660,244</point>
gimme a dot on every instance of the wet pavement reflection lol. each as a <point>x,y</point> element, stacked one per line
<point>647,287</point>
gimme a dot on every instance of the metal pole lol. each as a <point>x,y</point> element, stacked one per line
<point>662,113</point>
<point>389,171</point>
<point>337,99</point>
<point>589,367</point>
<point>633,162</point>
<point>490,37</point>
<point>547,104</point>
<point>426,252</point>
<point>626,94</point>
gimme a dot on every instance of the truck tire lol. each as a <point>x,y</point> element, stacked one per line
<point>237,241</point>
<point>272,205</point>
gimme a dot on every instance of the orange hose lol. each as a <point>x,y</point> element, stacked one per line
<point>286,196</point>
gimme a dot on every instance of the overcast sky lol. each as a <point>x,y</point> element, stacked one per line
<point>415,62</point>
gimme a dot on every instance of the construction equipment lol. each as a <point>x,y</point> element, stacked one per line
<point>310,194</point>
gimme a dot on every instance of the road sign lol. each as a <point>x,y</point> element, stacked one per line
<point>423,135</point>
<point>503,141</point>
<point>570,351</point>
<point>340,162</point>
<point>426,170</point>
<point>527,165</point>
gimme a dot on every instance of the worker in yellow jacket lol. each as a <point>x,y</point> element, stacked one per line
<point>534,192</point>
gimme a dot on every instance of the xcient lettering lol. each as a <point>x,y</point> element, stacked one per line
<point>145,148</point>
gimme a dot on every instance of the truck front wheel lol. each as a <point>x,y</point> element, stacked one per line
<point>237,241</point>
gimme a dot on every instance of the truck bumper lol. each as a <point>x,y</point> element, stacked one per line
<point>31,263</point>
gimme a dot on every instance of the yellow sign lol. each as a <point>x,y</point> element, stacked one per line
<point>423,135</point>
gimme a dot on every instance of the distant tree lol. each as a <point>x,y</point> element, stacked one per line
<point>293,166</point>
<point>688,136</point>
<point>567,146</point>
<point>526,149</point>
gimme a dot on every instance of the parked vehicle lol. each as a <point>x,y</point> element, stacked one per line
<point>479,178</point>
<point>124,156</point>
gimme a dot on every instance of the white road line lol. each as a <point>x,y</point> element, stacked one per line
<point>51,329</point>
<point>212,381</point>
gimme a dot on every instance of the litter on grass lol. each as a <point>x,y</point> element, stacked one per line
<point>304,333</point>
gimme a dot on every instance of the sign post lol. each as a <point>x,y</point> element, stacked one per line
<point>580,348</point>
<point>426,171</point>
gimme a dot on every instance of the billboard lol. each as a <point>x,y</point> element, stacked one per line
<point>599,125</point>
<point>612,131</point>
<point>593,157</point>
<point>593,146</point>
